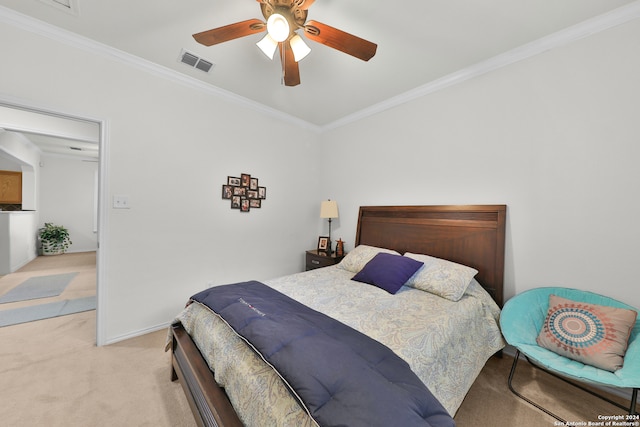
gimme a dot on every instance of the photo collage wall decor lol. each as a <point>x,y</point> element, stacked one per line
<point>244,192</point>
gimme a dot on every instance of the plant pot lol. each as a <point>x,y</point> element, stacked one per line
<point>49,249</point>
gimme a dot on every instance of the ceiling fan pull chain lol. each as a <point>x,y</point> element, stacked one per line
<point>282,57</point>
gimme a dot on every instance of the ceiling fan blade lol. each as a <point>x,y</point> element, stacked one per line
<point>338,39</point>
<point>230,32</point>
<point>289,65</point>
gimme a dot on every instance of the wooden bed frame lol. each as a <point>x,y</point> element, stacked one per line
<point>472,235</point>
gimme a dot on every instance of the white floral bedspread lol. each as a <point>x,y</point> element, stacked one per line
<point>446,343</point>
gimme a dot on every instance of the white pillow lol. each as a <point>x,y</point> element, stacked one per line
<point>359,256</point>
<point>441,277</point>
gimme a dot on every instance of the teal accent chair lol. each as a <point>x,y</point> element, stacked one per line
<point>522,319</point>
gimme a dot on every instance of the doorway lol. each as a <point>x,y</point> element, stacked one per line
<point>60,137</point>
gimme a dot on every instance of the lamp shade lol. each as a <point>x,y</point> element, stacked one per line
<point>299,48</point>
<point>268,46</point>
<point>329,209</point>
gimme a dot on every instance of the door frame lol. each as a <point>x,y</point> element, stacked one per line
<point>101,253</point>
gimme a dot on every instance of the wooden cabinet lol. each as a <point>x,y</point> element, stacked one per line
<point>317,259</point>
<point>10,187</point>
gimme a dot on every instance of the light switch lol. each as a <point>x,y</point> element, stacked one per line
<point>121,202</point>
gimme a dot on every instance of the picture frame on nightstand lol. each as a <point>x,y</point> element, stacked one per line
<point>323,244</point>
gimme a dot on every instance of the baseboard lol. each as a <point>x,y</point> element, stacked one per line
<point>16,267</point>
<point>79,251</point>
<point>137,333</point>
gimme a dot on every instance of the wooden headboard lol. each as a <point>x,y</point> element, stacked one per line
<point>472,235</point>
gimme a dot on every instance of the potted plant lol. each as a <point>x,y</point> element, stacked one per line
<point>54,238</point>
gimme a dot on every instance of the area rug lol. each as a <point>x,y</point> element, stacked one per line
<point>38,287</point>
<point>45,311</point>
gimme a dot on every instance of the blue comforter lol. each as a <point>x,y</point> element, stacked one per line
<point>341,376</point>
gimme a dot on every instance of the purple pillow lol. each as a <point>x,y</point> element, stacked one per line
<point>388,271</point>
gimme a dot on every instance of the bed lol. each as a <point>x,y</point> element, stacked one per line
<point>456,340</point>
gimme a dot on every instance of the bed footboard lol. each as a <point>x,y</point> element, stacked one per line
<point>208,402</point>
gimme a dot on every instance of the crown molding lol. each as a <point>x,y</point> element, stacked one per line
<point>27,23</point>
<point>584,29</point>
<point>594,25</point>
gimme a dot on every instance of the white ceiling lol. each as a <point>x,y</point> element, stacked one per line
<point>65,147</point>
<point>419,42</point>
<point>53,134</point>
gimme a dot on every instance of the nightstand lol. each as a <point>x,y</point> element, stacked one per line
<point>315,259</point>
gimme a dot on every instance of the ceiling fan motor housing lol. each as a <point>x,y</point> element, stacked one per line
<point>291,11</point>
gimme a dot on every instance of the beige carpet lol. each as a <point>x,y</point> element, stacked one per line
<point>52,374</point>
<point>490,402</point>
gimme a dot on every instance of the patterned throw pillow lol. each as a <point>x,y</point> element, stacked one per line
<point>593,334</point>
<point>359,256</point>
<point>441,277</point>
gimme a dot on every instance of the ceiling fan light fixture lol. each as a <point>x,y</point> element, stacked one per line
<point>299,48</point>
<point>283,20</point>
<point>278,27</point>
<point>268,46</point>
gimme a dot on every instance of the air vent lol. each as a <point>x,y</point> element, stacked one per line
<point>195,61</point>
<point>190,59</point>
<point>204,65</point>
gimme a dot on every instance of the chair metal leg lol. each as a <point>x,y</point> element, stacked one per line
<point>531,402</point>
<point>634,394</point>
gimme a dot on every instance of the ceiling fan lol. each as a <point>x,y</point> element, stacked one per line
<point>283,19</point>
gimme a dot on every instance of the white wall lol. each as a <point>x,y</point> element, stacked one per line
<point>17,240</point>
<point>8,165</point>
<point>19,154</point>
<point>169,148</point>
<point>67,191</point>
<point>18,236</point>
<point>555,137</point>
